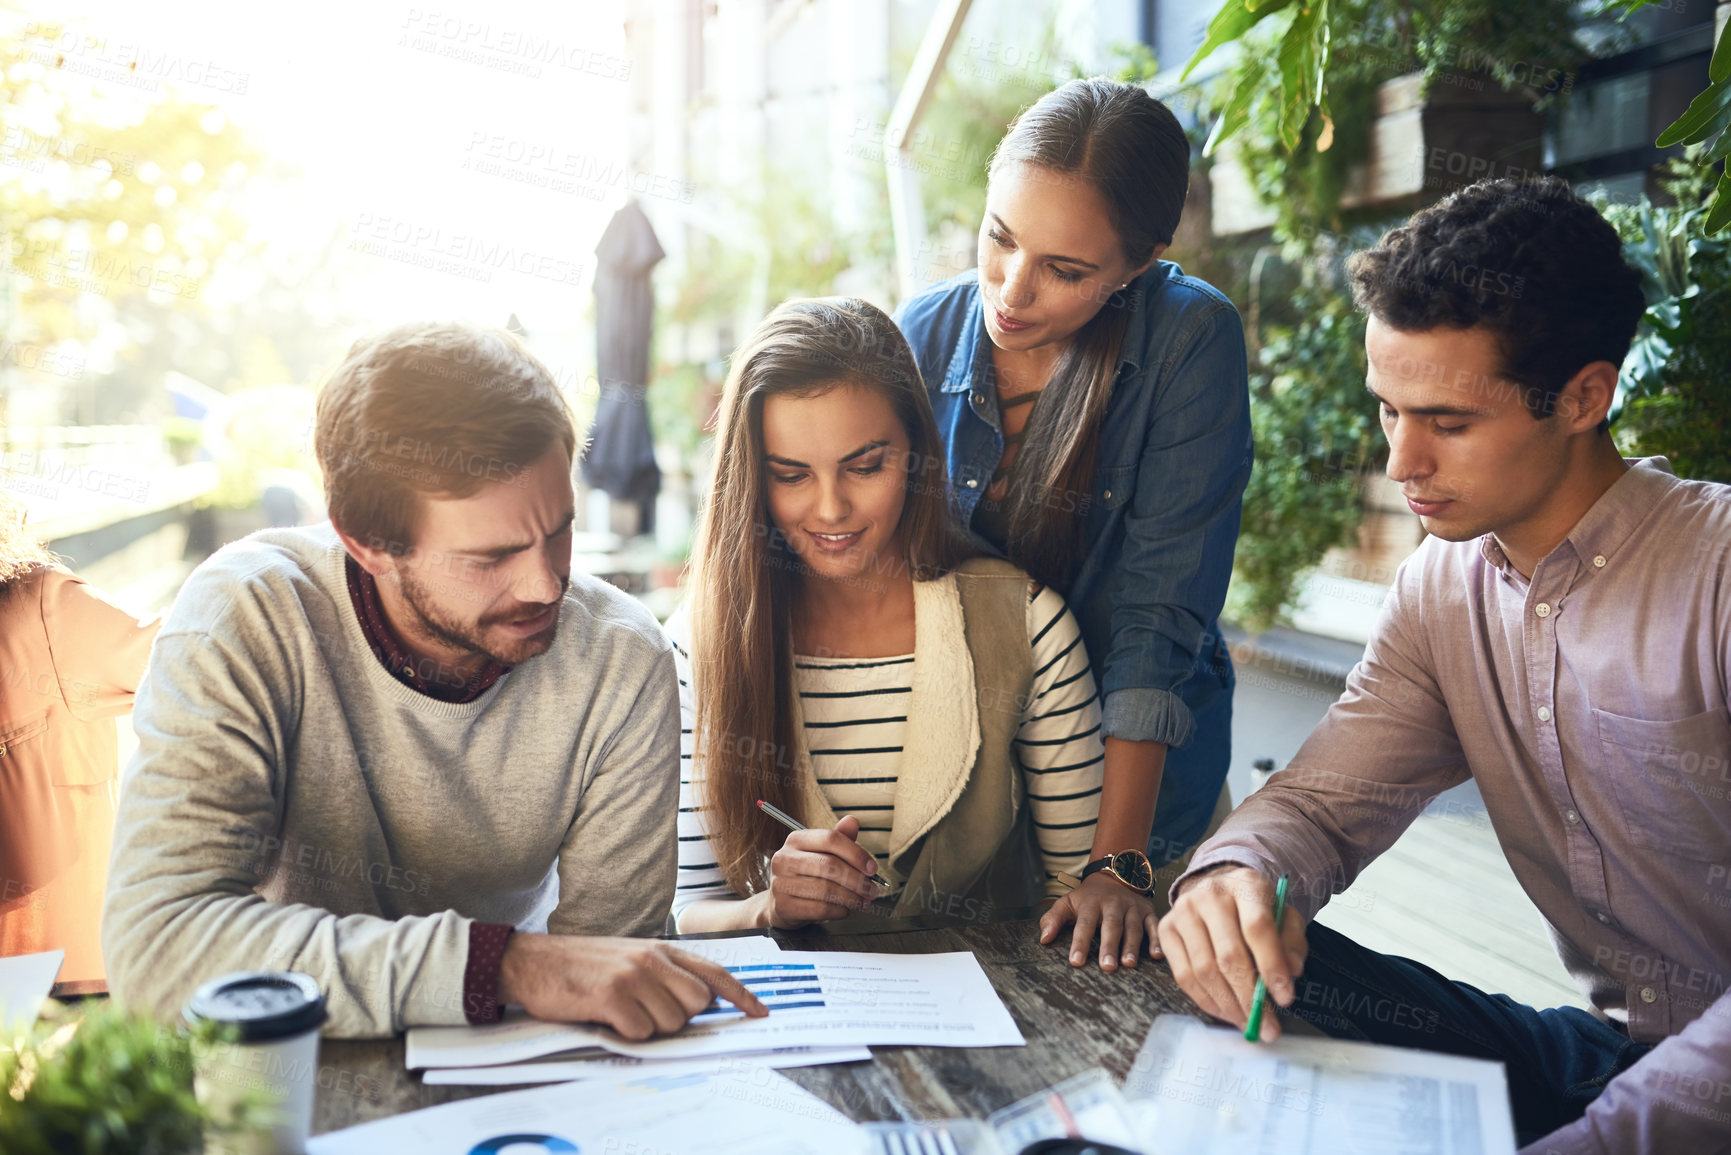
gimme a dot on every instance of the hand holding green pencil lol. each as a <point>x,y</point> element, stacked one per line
<point>1225,950</point>
<point>1253,1029</point>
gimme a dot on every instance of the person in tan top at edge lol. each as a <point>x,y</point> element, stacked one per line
<point>69,663</point>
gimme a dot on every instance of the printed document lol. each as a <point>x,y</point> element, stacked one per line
<point>730,1109</point>
<point>816,999</point>
<point>607,1065</point>
<point>1200,1089</point>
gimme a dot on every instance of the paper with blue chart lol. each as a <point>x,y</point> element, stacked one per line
<point>606,1065</point>
<point>731,1109</point>
<point>816,999</point>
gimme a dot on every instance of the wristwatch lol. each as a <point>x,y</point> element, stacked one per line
<point>1130,867</point>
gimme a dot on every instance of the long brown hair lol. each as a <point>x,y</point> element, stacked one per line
<point>1130,149</point>
<point>745,577</point>
<point>21,554</point>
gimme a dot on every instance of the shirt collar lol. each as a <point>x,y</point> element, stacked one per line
<point>1492,551</point>
<point>1605,527</point>
<point>967,353</point>
<point>1600,533</point>
<point>395,657</point>
<point>1136,298</point>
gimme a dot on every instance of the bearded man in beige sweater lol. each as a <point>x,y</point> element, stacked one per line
<point>410,753</point>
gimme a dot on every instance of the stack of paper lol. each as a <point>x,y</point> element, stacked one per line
<point>721,1111</point>
<point>1200,1089</point>
<point>824,1008</point>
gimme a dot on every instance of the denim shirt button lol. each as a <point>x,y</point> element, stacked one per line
<point>973,484</point>
<point>1107,495</point>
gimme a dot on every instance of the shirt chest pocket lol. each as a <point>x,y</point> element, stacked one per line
<point>1113,487</point>
<point>1672,781</point>
<point>25,760</point>
<point>12,738</point>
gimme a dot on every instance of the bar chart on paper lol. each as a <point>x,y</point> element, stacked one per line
<point>818,1001</point>
<point>779,986</point>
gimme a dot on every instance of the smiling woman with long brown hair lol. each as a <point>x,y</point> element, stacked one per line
<point>930,717</point>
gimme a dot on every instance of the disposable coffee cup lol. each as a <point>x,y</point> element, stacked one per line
<point>275,1016</point>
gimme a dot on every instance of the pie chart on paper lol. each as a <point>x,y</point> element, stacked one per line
<point>523,1145</point>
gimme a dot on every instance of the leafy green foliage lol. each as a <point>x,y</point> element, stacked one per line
<point>1677,379</point>
<point>1303,61</point>
<point>96,1079</point>
<point>1316,436</point>
<point>1299,140</point>
<point>1300,146</point>
<point>1707,119</point>
<point>1320,38</point>
<point>108,193</point>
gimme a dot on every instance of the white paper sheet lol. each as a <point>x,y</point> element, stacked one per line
<point>728,1110</point>
<point>611,1066</point>
<point>816,999</point>
<point>734,949</point>
<point>1201,1089</point>
<point>1088,1106</point>
<point>25,981</point>
<point>518,1038</point>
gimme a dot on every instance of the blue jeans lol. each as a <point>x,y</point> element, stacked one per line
<point>1558,1061</point>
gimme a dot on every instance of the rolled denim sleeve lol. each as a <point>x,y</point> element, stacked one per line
<point>1180,531</point>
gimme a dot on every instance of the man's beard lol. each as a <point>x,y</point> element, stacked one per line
<point>466,637</point>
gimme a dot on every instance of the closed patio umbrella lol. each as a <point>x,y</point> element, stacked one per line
<point>620,459</point>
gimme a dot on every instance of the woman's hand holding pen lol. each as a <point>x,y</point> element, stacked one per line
<point>817,875</point>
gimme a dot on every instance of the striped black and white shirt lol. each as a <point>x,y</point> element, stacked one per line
<point>856,713</point>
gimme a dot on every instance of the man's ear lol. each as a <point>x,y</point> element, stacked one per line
<point>371,555</point>
<point>1586,399</point>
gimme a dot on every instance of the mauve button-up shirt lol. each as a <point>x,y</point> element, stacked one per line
<point>1590,705</point>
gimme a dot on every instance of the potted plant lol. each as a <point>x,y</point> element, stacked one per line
<point>93,1078</point>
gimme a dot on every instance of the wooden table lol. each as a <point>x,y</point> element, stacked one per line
<point>1073,1019</point>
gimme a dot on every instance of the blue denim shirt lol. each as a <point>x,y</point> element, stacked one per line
<point>1162,519</point>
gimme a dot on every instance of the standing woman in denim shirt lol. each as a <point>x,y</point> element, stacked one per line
<point>1094,405</point>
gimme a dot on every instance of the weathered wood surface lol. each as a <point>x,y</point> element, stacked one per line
<point>1073,1019</point>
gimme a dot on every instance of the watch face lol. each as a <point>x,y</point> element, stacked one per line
<point>1133,869</point>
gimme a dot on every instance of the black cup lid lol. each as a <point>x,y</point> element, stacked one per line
<point>265,1005</point>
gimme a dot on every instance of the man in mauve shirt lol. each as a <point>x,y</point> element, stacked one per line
<point>1562,637</point>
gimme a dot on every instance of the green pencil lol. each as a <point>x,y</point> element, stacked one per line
<point>1253,1029</point>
